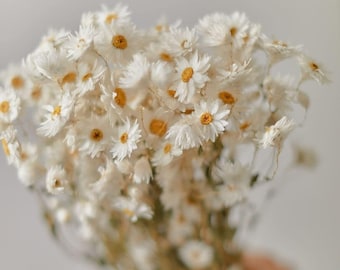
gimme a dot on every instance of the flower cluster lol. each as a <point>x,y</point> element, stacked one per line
<point>142,141</point>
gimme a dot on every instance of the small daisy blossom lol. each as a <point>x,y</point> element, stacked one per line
<point>126,141</point>
<point>184,134</point>
<point>133,209</point>
<point>56,180</point>
<point>10,145</point>
<point>120,14</point>
<point>210,119</point>
<point>81,42</point>
<point>192,76</point>
<point>57,116</point>
<point>310,69</point>
<point>275,134</point>
<point>89,76</point>
<point>196,254</point>
<point>9,106</point>
<point>165,154</point>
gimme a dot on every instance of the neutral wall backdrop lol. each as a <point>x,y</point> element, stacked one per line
<point>301,224</point>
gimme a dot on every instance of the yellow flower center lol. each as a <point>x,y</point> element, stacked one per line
<point>187,74</point>
<point>171,93</point>
<point>158,127</point>
<point>57,183</point>
<point>245,125</point>
<point>167,148</point>
<point>226,97</point>
<point>120,97</point>
<point>5,147</point>
<point>165,57</point>
<point>36,93</point>
<point>124,138</point>
<point>313,66</point>
<point>96,135</point>
<point>87,76</point>
<point>4,106</point>
<point>69,78</point>
<point>98,110</point>
<point>110,18</point>
<point>206,118</point>
<point>57,110</point>
<point>128,212</point>
<point>119,42</point>
<point>233,31</point>
<point>17,82</point>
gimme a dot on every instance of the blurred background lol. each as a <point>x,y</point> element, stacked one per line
<point>300,224</point>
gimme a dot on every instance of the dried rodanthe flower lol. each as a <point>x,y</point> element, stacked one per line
<point>144,140</point>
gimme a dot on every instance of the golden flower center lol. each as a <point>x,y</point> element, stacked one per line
<point>171,93</point>
<point>158,127</point>
<point>206,118</point>
<point>5,147</point>
<point>120,97</point>
<point>167,148</point>
<point>110,18</point>
<point>87,76</point>
<point>36,93</point>
<point>4,106</point>
<point>124,138</point>
<point>96,135</point>
<point>57,110</point>
<point>187,74</point>
<point>245,125</point>
<point>119,42</point>
<point>226,97</point>
<point>17,82</point>
<point>57,183</point>
<point>165,57</point>
<point>69,78</point>
<point>313,66</point>
<point>233,31</point>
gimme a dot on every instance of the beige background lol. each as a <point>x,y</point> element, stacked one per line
<point>301,223</point>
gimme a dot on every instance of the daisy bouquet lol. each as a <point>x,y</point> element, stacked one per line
<point>139,143</point>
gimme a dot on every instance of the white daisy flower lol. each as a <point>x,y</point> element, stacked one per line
<point>278,50</point>
<point>117,43</point>
<point>136,73</point>
<point>192,76</point>
<point>132,209</point>
<point>10,145</point>
<point>310,69</point>
<point>14,77</point>
<point>180,42</point>
<point>196,254</point>
<point>56,180</point>
<point>54,39</point>
<point>57,116</point>
<point>28,167</point>
<point>165,154</point>
<point>79,43</point>
<point>89,75</point>
<point>94,135</point>
<point>219,29</point>
<point>184,134</point>
<point>276,133</point>
<point>9,106</point>
<point>126,141</point>
<point>120,14</point>
<point>210,119</point>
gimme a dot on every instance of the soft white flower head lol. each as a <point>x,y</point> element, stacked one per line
<point>126,140</point>
<point>196,254</point>
<point>133,209</point>
<point>275,134</point>
<point>56,180</point>
<point>9,106</point>
<point>192,76</point>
